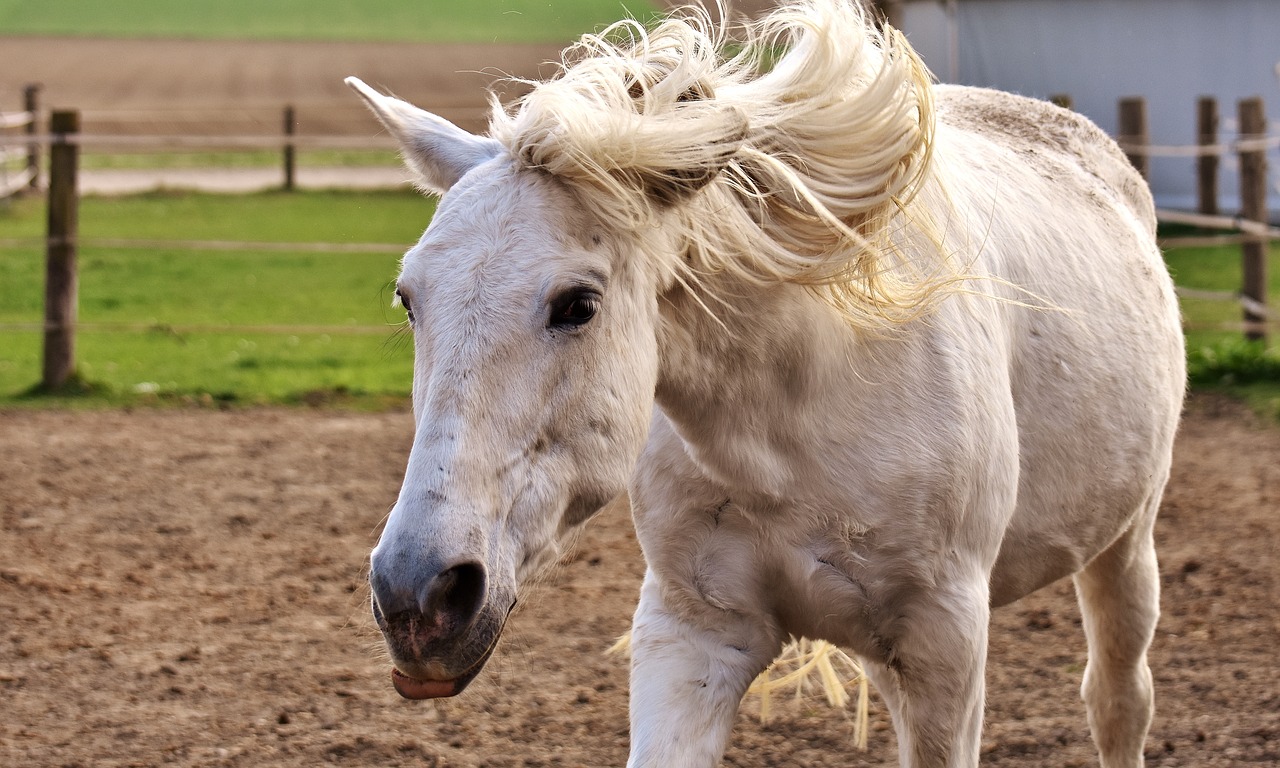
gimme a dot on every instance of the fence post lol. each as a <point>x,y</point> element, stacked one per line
<point>1253,207</point>
<point>1133,132</point>
<point>60,259</point>
<point>1207,164</point>
<point>289,159</point>
<point>31,103</point>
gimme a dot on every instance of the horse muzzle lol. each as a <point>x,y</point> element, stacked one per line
<point>440,627</point>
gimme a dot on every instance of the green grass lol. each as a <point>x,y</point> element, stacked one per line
<point>475,21</point>
<point>171,324</point>
<point>1214,269</point>
<point>262,326</point>
<point>318,158</point>
<point>1222,359</point>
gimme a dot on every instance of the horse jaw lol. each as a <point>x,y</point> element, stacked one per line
<point>436,150</point>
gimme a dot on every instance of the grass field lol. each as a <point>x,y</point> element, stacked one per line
<point>1218,358</point>
<point>284,326</point>
<point>1214,269</point>
<point>368,20</point>
<point>246,326</point>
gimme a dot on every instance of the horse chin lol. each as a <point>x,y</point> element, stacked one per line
<point>413,688</point>
<point>424,670</point>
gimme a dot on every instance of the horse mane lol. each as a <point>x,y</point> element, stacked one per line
<point>795,159</point>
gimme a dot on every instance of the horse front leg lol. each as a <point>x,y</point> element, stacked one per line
<point>689,671</point>
<point>932,676</point>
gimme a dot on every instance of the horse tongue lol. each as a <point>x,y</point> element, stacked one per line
<point>410,688</point>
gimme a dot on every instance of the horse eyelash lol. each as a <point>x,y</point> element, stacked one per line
<point>404,302</point>
<point>399,338</point>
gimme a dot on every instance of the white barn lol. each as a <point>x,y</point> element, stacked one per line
<point>1098,51</point>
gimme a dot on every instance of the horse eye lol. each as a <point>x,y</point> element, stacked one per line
<point>404,302</point>
<point>574,309</point>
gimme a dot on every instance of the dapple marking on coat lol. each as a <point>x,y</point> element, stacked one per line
<point>871,355</point>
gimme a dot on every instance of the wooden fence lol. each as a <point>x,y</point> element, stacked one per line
<point>13,177</point>
<point>65,140</point>
<point>1250,228</point>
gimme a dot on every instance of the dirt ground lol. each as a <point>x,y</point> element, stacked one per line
<point>240,87</point>
<point>187,587</point>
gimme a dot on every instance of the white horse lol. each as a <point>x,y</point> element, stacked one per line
<point>871,355</point>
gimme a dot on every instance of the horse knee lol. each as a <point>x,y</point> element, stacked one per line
<point>1119,595</point>
<point>687,679</point>
<point>934,681</point>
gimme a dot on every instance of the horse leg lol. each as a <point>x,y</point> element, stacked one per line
<point>933,679</point>
<point>687,682</point>
<point>1119,594</point>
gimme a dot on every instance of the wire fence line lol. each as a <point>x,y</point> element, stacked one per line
<point>196,246</point>
<point>180,329</point>
<point>1254,143</point>
<point>1249,229</point>
<point>161,141</point>
<point>17,119</point>
<point>1253,306</point>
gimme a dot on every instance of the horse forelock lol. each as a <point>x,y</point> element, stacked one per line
<point>793,160</point>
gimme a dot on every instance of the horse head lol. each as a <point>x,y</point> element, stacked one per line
<point>535,366</point>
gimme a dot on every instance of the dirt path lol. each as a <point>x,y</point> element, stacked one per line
<point>162,86</point>
<point>218,86</point>
<point>185,87</point>
<point>185,587</point>
<point>239,180</point>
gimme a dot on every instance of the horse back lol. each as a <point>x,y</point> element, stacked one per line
<point>1048,138</point>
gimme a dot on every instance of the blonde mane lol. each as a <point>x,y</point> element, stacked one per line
<point>796,159</point>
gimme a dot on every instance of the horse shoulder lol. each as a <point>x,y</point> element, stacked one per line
<point>1096,363</point>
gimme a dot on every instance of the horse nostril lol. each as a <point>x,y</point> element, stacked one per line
<point>458,593</point>
<point>440,605</point>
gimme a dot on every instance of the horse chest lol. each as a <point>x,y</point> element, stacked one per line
<point>806,575</point>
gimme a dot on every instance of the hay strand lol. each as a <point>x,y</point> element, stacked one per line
<point>802,662</point>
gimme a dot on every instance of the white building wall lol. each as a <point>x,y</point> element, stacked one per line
<point>1098,51</point>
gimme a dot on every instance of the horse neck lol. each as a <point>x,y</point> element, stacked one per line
<point>745,378</point>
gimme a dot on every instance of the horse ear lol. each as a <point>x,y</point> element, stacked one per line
<point>435,149</point>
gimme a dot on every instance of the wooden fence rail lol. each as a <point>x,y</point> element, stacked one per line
<point>21,147</point>
<point>1251,147</point>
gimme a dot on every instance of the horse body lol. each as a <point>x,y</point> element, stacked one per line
<point>880,493</point>
<point>794,469</point>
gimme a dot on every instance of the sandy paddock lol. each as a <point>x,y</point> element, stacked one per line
<point>187,587</point>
